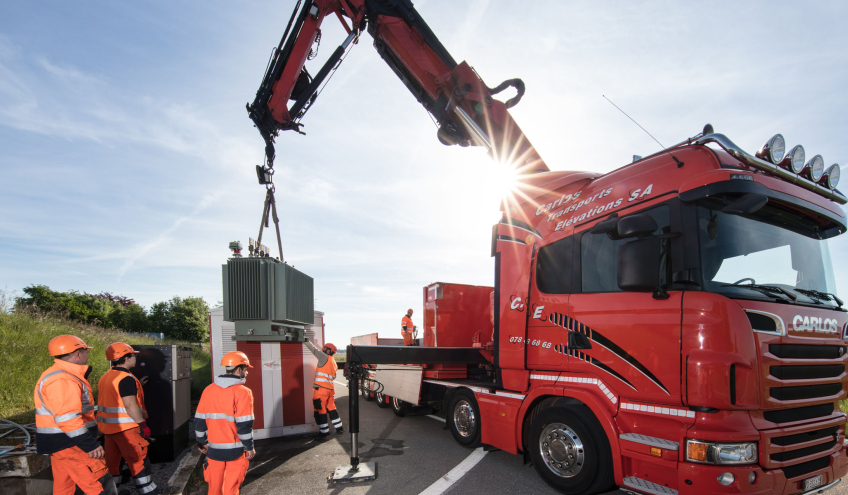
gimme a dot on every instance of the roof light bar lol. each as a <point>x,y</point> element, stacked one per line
<point>831,176</point>
<point>814,168</point>
<point>740,154</point>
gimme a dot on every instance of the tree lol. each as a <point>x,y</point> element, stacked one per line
<point>189,319</point>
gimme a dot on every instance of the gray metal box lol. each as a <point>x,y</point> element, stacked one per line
<point>268,300</point>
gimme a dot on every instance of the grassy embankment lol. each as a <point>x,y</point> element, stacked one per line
<point>23,357</point>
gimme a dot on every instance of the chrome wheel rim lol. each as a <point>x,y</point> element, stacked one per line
<point>397,403</point>
<point>562,450</point>
<point>463,418</point>
<point>380,398</point>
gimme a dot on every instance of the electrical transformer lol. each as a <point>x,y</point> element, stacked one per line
<point>266,299</point>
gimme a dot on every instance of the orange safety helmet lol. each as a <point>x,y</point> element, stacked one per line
<point>409,310</point>
<point>119,350</point>
<point>65,344</point>
<point>331,347</point>
<point>235,358</point>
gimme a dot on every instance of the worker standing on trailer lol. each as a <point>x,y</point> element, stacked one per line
<point>65,427</point>
<point>323,399</point>
<point>407,328</point>
<point>120,416</point>
<point>223,426</point>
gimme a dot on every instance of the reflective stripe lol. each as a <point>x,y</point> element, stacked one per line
<point>337,421</point>
<point>43,412</point>
<point>242,419</point>
<point>48,429</point>
<point>199,434</point>
<point>322,379</point>
<point>101,419</point>
<point>66,417</point>
<point>86,396</point>
<point>226,445</point>
<point>91,424</point>
<point>76,433</point>
<point>86,409</point>
<point>219,416</point>
<point>246,436</point>
<point>324,374</point>
<point>323,425</point>
<point>143,480</point>
<point>113,410</point>
<point>147,489</point>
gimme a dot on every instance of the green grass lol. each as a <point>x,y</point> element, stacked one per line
<point>23,356</point>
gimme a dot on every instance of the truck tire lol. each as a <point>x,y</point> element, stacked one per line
<point>463,418</point>
<point>366,393</point>
<point>382,400</point>
<point>570,451</point>
<point>400,408</point>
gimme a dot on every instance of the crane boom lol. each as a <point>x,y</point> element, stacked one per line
<point>458,99</point>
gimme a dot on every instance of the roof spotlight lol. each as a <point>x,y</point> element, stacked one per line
<point>814,168</point>
<point>773,150</point>
<point>794,160</point>
<point>831,176</point>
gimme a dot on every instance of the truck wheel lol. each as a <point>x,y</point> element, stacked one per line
<point>463,418</point>
<point>400,408</point>
<point>366,393</point>
<point>382,400</point>
<point>570,451</point>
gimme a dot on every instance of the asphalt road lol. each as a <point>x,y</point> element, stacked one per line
<point>411,453</point>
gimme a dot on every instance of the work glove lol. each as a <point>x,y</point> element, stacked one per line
<point>144,430</point>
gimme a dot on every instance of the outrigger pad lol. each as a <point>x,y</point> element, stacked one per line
<point>366,471</point>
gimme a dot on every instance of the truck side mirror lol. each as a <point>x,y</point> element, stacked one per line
<point>636,226</point>
<point>639,264</point>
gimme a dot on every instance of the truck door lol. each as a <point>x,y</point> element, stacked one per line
<point>549,292</point>
<point>632,338</point>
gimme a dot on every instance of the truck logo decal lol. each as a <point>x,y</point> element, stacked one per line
<point>815,324</point>
<point>597,209</point>
<point>575,326</point>
<point>516,304</point>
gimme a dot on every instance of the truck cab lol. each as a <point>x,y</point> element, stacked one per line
<point>690,295</point>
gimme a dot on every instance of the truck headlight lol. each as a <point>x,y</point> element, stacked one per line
<point>832,176</point>
<point>794,160</point>
<point>814,168</point>
<point>721,453</point>
<point>773,150</point>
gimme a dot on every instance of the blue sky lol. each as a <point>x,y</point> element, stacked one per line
<point>126,155</point>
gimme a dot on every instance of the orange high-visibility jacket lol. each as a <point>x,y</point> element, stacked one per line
<point>325,375</point>
<point>64,409</point>
<point>112,416</point>
<point>224,418</point>
<point>406,325</point>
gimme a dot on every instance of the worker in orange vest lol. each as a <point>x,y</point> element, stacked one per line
<point>121,415</point>
<point>65,427</point>
<point>323,398</point>
<point>407,328</point>
<point>223,426</point>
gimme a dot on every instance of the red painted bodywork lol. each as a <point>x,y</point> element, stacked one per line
<point>670,357</point>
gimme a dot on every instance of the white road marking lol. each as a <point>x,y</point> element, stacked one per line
<point>340,383</point>
<point>436,417</point>
<point>455,474</point>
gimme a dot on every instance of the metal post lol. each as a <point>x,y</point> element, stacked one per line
<point>353,372</point>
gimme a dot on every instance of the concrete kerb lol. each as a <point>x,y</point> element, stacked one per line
<point>180,478</point>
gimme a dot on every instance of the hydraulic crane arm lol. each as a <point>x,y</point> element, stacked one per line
<point>454,94</point>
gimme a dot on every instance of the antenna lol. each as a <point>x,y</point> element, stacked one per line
<point>637,123</point>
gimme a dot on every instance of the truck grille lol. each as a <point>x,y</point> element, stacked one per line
<point>802,449</point>
<point>796,375</point>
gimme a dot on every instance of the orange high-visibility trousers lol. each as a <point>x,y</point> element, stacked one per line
<point>73,467</point>
<point>407,338</point>
<point>225,477</point>
<point>128,444</point>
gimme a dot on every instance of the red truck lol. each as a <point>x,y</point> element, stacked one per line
<point>669,327</point>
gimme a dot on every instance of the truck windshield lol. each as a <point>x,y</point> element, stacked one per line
<point>764,249</point>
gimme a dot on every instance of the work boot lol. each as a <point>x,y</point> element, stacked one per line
<point>340,429</point>
<point>323,436</point>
